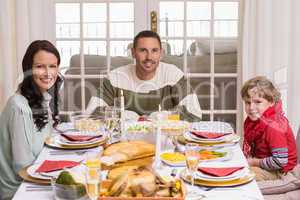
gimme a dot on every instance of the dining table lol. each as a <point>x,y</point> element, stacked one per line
<point>247,191</point>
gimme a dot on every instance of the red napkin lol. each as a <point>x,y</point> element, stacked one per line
<point>143,118</point>
<point>208,135</point>
<point>79,138</point>
<point>221,171</point>
<point>53,165</point>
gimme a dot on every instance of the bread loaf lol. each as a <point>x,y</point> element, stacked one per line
<point>124,151</point>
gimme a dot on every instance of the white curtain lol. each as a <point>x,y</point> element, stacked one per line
<point>8,70</point>
<point>21,23</point>
<point>271,47</point>
<point>294,64</point>
<point>257,35</point>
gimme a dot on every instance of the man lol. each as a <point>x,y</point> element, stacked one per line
<point>148,83</point>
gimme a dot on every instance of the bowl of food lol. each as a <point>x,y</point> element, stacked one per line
<point>87,124</point>
<point>66,188</point>
<point>173,127</point>
<point>140,130</point>
<point>213,155</point>
<point>173,158</point>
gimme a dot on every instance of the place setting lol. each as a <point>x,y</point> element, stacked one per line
<point>212,175</point>
<point>42,173</point>
<point>209,134</point>
<point>86,132</point>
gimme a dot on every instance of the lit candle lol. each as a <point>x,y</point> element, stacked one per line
<point>158,139</point>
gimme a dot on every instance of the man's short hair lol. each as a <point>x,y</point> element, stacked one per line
<point>146,34</point>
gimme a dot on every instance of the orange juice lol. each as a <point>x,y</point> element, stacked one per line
<point>93,188</point>
<point>93,182</point>
<point>174,117</point>
<point>93,163</point>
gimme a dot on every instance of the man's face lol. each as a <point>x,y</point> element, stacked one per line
<point>255,106</point>
<point>147,54</point>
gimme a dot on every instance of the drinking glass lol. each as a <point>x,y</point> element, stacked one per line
<point>93,159</point>
<point>112,122</point>
<point>93,174</point>
<point>192,157</point>
<point>93,182</point>
<point>174,114</point>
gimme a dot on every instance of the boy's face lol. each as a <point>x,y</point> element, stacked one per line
<point>255,106</point>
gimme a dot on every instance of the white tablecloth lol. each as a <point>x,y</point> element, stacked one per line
<point>244,192</point>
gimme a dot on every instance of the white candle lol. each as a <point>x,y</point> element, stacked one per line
<point>122,101</point>
<point>123,137</point>
<point>158,139</point>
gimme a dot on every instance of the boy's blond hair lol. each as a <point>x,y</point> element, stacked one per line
<point>265,89</point>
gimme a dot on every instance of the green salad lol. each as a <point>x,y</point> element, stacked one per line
<point>142,128</point>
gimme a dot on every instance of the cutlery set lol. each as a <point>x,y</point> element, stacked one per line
<point>38,188</point>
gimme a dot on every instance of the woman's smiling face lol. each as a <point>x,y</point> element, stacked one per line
<point>44,70</point>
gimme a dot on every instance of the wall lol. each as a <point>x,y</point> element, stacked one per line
<point>294,66</point>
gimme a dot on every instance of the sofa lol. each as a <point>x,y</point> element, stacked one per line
<point>225,88</point>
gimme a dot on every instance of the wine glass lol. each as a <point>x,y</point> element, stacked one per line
<point>112,122</point>
<point>170,117</point>
<point>174,126</point>
<point>192,157</point>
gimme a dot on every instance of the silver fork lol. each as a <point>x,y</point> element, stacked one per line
<point>67,152</point>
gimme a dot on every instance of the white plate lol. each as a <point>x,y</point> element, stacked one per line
<point>232,138</point>
<point>236,175</point>
<point>45,176</point>
<point>175,164</point>
<point>212,126</point>
<point>62,141</point>
<point>219,139</point>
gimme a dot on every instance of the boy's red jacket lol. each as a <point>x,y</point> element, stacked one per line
<point>270,136</point>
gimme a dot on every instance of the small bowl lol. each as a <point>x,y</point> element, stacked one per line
<point>87,124</point>
<point>69,192</point>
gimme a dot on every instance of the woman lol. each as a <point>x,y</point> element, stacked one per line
<point>26,120</point>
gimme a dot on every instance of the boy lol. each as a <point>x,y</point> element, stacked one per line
<point>269,142</point>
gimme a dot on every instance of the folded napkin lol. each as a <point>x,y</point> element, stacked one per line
<point>53,165</point>
<point>143,118</point>
<point>79,138</point>
<point>208,135</point>
<point>220,171</point>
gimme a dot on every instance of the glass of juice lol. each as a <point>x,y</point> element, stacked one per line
<point>93,174</point>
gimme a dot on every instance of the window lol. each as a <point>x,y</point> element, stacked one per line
<point>199,36</point>
<point>88,36</point>
<point>203,38</point>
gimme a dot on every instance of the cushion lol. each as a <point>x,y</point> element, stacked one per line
<point>288,182</point>
<point>292,195</point>
<point>201,47</point>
